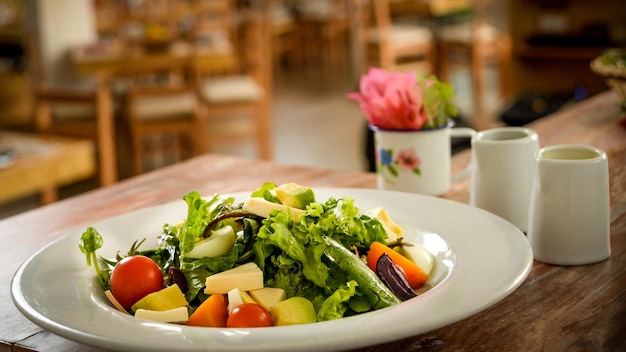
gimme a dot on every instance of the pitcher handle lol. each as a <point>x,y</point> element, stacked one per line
<point>462,132</point>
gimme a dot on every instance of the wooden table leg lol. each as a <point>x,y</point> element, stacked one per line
<point>106,133</point>
<point>48,195</point>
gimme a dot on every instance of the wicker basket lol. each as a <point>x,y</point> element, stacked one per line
<point>611,65</point>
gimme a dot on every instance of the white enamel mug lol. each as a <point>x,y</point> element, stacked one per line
<point>503,170</point>
<point>569,222</point>
<point>417,161</point>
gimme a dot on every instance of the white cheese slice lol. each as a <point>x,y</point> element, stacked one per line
<point>234,299</point>
<point>263,208</point>
<point>267,297</point>
<point>245,277</point>
<point>176,315</point>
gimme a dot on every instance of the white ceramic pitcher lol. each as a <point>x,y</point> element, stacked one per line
<point>569,220</point>
<point>503,169</point>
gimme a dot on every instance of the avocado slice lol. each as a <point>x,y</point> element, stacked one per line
<point>295,195</point>
<point>292,311</point>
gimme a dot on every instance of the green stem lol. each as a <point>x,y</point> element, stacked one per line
<point>94,258</point>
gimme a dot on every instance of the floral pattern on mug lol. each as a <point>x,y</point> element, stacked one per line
<point>406,159</point>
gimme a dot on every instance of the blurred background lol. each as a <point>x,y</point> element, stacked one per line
<point>96,91</point>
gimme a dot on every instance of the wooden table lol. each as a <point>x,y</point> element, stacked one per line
<point>430,8</point>
<point>59,160</point>
<point>580,308</point>
<point>113,59</point>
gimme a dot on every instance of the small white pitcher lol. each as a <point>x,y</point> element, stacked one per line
<point>503,169</point>
<point>417,161</point>
<point>569,220</point>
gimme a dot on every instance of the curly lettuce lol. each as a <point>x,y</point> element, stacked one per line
<point>292,255</point>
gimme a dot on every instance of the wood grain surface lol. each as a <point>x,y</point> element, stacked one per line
<point>579,308</point>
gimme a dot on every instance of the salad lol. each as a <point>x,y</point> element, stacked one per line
<point>281,257</point>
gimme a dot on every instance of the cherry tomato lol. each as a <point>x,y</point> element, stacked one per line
<point>249,315</point>
<point>135,277</point>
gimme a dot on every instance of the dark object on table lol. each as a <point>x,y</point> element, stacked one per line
<point>13,53</point>
<point>531,107</point>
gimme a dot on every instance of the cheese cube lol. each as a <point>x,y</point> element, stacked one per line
<point>263,208</point>
<point>245,277</point>
<point>234,299</point>
<point>267,297</point>
<point>176,315</point>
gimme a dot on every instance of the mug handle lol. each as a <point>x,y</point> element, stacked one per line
<point>462,132</point>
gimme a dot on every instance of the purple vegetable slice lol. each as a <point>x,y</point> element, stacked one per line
<point>391,276</point>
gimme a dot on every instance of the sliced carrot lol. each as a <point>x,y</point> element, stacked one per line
<point>212,312</point>
<point>414,274</point>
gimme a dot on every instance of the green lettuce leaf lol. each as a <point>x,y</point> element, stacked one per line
<point>196,221</point>
<point>276,231</point>
<point>292,255</point>
<point>336,305</point>
<point>266,192</point>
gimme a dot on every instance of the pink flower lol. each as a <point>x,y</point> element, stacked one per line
<point>392,101</point>
<point>408,159</point>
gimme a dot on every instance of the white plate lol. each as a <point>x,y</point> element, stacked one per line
<point>480,259</point>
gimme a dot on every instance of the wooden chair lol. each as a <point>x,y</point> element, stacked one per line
<point>477,44</point>
<point>70,108</point>
<point>163,115</point>
<point>164,120</point>
<point>246,93</point>
<point>395,43</point>
<point>284,33</point>
<point>215,22</point>
<point>323,28</point>
<point>80,114</point>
